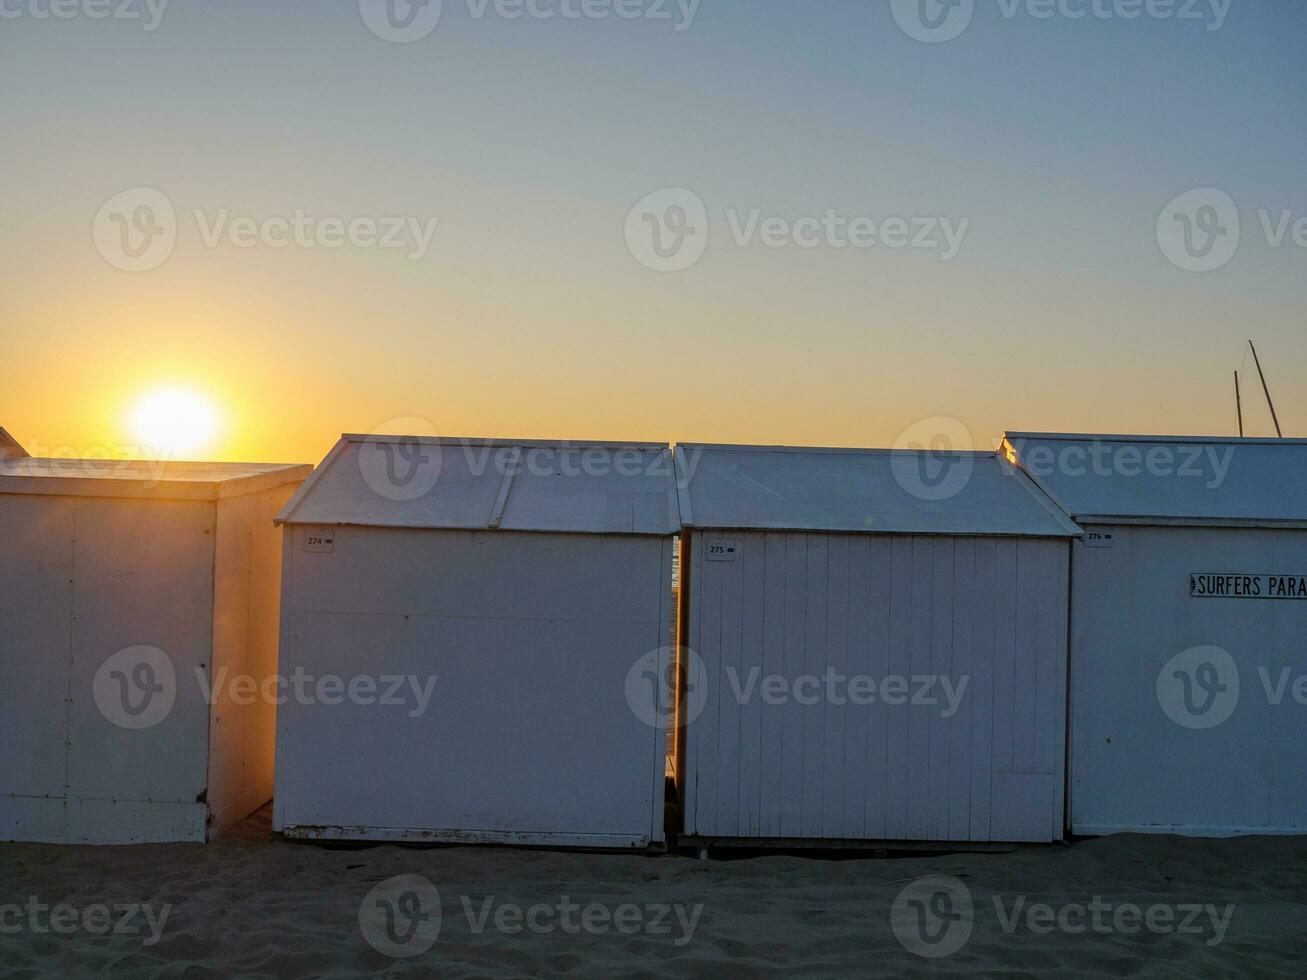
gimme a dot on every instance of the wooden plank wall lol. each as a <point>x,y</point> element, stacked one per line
<point>993,610</point>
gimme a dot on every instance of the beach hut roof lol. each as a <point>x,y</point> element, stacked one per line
<point>491,484</point>
<point>870,491</point>
<point>142,478</point>
<point>9,445</point>
<point>1168,479</point>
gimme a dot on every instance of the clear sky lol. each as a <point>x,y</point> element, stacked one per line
<point>1057,140</point>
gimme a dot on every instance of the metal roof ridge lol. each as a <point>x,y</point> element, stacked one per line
<point>831,450</point>
<point>499,443</point>
<point>88,465</point>
<point>1161,439</point>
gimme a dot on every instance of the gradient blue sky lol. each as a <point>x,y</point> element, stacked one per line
<point>1061,140</point>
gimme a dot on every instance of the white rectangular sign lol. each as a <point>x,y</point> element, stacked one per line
<point>1247,585</point>
<point>323,541</point>
<point>723,549</point>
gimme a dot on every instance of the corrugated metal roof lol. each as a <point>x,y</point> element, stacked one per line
<point>858,490</point>
<point>488,484</point>
<point>142,478</point>
<point>1168,479</point>
<point>9,445</point>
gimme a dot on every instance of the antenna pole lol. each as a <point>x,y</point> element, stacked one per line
<point>1238,403</point>
<point>1265,388</point>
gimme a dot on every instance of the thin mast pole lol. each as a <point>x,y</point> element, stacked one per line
<point>1238,403</point>
<point>1266,388</point>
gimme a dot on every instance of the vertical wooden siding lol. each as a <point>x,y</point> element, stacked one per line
<point>991,609</point>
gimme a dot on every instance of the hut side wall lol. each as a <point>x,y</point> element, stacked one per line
<point>247,590</point>
<point>1133,767</point>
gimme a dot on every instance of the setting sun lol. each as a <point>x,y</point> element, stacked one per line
<point>175,419</point>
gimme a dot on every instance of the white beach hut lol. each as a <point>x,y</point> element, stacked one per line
<point>1189,613</point>
<point>502,593</point>
<point>876,648</point>
<point>128,593</point>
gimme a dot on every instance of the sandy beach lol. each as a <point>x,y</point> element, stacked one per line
<point>252,904</point>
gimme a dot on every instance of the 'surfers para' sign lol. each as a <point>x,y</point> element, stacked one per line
<point>1241,585</point>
